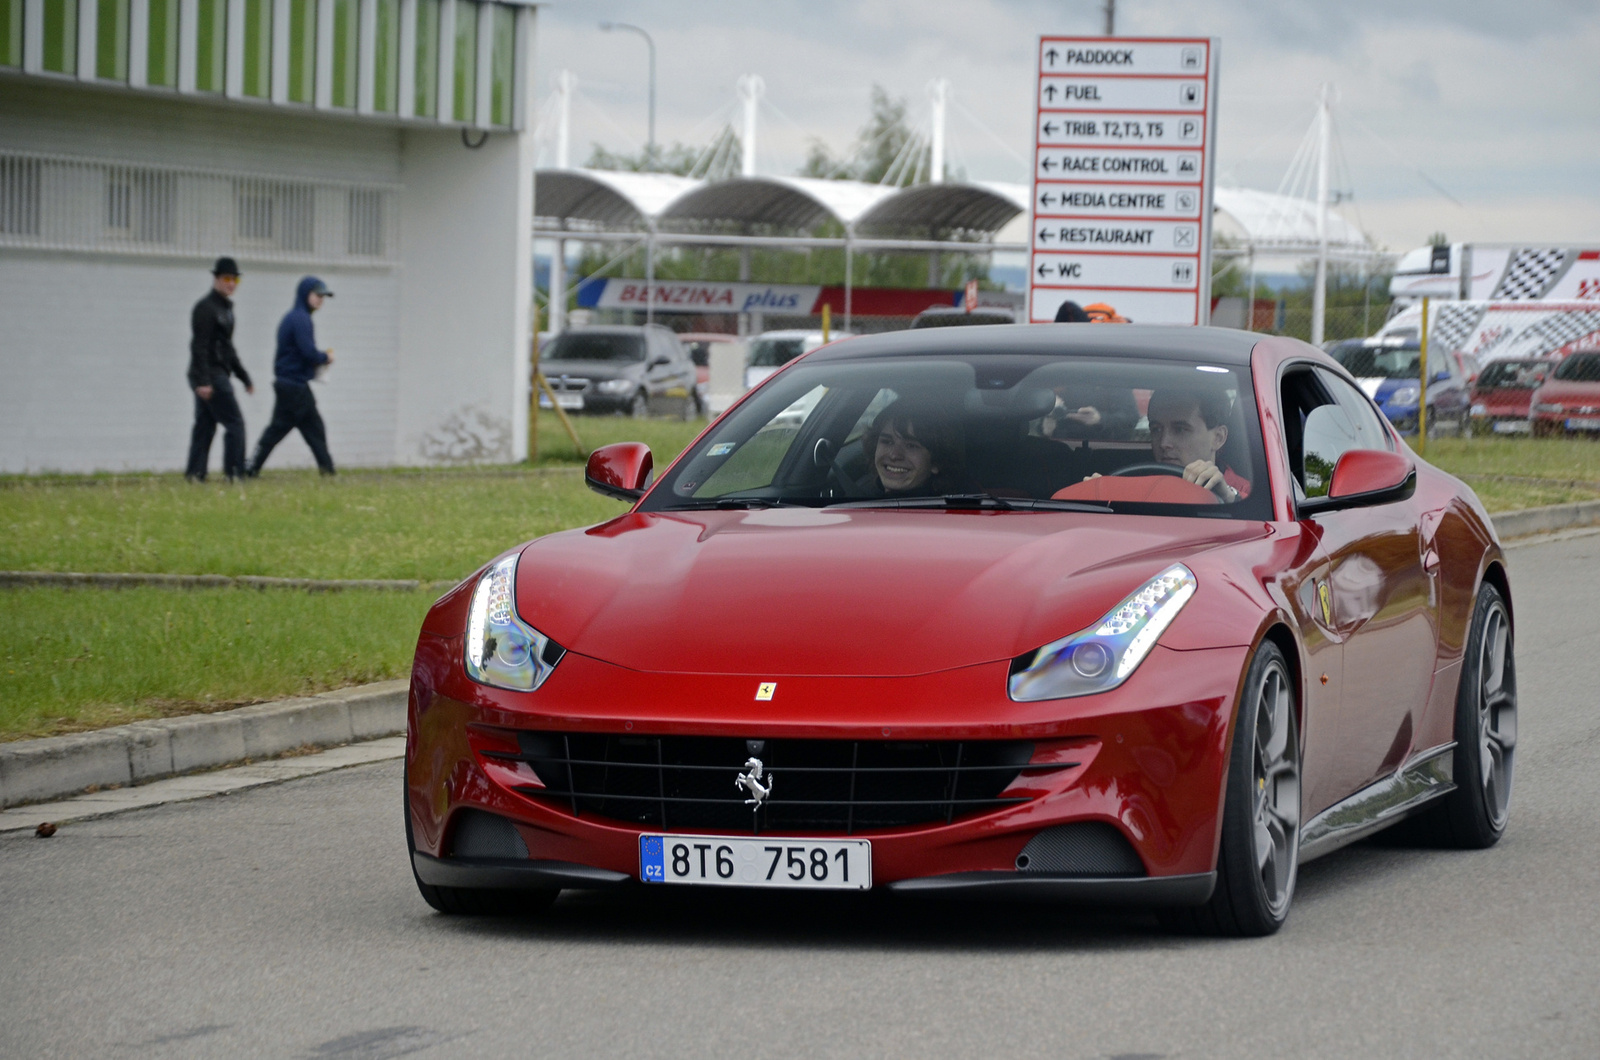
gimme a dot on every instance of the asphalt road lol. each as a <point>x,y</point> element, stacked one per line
<point>282,922</point>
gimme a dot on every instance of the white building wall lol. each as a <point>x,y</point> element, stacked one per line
<point>94,355</point>
<point>94,347</point>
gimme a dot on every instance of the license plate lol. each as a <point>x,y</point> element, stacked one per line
<point>781,861</point>
<point>1576,424</point>
<point>566,401</point>
<point>1512,427</point>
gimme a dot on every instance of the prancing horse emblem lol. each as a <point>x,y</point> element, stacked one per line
<point>754,782</point>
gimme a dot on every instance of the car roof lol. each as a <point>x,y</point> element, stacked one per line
<point>1223,345</point>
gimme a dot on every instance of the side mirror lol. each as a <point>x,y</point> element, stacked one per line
<point>1363,478</point>
<point>621,470</point>
<point>657,362</point>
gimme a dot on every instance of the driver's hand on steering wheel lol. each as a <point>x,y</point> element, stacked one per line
<point>1205,474</point>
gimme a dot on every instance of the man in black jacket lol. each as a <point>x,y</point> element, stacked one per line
<point>212,359</point>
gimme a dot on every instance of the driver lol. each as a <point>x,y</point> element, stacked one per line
<point>916,450</point>
<point>1187,429</point>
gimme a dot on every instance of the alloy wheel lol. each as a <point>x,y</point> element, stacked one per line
<point>1276,789</point>
<point>1497,714</point>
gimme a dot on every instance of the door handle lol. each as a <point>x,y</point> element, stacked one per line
<point>1430,561</point>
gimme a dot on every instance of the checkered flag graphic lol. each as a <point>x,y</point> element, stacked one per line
<point>1452,324</point>
<point>1554,332</point>
<point>1530,274</point>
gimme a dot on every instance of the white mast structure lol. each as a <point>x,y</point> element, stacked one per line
<point>566,83</point>
<point>938,91</point>
<point>1319,294</point>
<point>751,89</point>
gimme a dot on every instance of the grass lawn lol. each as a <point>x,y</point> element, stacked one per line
<point>74,659</point>
<point>83,658</point>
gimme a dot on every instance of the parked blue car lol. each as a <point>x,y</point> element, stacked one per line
<point>1391,375</point>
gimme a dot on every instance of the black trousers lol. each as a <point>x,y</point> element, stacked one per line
<point>221,409</point>
<point>294,408</point>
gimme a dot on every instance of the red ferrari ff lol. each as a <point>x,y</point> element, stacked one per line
<point>884,625</point>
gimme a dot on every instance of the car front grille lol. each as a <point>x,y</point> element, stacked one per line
<point>688,782</point>
<point>567,384</point>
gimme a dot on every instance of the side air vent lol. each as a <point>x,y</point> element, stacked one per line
<point>1085,848</point>
<point>484,835</point>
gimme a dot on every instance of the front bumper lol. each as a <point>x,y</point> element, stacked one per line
<point>1152,757</point>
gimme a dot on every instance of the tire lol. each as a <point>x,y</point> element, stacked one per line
<point>466,901</point>
<point>1259,856</point>
<point>1474,815</point>
<point>639,407</point>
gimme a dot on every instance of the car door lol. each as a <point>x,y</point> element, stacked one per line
<point>1375,595</point>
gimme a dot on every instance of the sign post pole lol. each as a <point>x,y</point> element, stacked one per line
<point>1422,386</point>
<point>1124,162</point>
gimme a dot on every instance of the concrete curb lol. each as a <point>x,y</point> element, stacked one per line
<point>1548,520</point>
<point>39,770</point>
<point>19,578</point>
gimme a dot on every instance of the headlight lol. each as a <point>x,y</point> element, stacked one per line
<point>615,386</point>
<point>1406,395</point>
<point>1101,657</point>
<point>503,650</point>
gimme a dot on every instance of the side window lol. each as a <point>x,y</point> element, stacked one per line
<point>1364,419</point>
<point>1301,393</point>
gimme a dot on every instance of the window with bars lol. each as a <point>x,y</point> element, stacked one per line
<point>19,196</point>
<point>141,205</point>
<point>275,214</point>
<point>364,224</point>
<point>60,203</point>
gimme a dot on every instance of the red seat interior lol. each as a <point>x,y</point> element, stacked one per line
<point>1150,489</point>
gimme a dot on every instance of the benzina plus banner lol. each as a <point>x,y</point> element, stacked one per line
<point>782,299</point>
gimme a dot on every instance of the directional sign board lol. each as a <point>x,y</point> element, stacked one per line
<point>1124,155</point>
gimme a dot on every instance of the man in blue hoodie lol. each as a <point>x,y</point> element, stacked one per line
<point>294,367</point>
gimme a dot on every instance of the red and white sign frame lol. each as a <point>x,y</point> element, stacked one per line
<point>1124,171</point>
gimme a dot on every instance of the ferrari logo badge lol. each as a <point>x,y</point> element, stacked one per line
<point>754,782</point>
<point>1326,599</point>
<point>765,690</point>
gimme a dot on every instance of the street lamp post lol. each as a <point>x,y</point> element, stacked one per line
<point>650,147</point>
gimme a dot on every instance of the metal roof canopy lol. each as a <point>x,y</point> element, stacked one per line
<point>977,207</point>
<point>1280,225</point>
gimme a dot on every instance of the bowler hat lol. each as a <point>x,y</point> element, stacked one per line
<point>225,266</point>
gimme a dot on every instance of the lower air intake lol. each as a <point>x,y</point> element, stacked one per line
<point>1084,848</point>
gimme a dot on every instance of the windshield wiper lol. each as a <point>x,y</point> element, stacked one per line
<point>976,502</point>
<point>729,504</point>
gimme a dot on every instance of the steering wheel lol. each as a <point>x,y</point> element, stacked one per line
<point>1150,469</point>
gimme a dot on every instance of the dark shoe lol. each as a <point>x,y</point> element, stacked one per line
<point>198,480</point>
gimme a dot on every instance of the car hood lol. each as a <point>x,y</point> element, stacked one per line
<point>1570,391</point>
<point>591,369</point>
<point>799,591</point>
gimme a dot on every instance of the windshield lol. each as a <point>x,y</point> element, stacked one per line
<point>1013,432</point>
<point>775,353</point>
<point>595,346</point>
<point>1382,362</point>
<point>1580,368</point>
<point>1513,375</point>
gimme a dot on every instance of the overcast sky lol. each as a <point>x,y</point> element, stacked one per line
<point>1495,102</point>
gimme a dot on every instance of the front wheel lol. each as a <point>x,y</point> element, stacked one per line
<point>1259,855</point>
